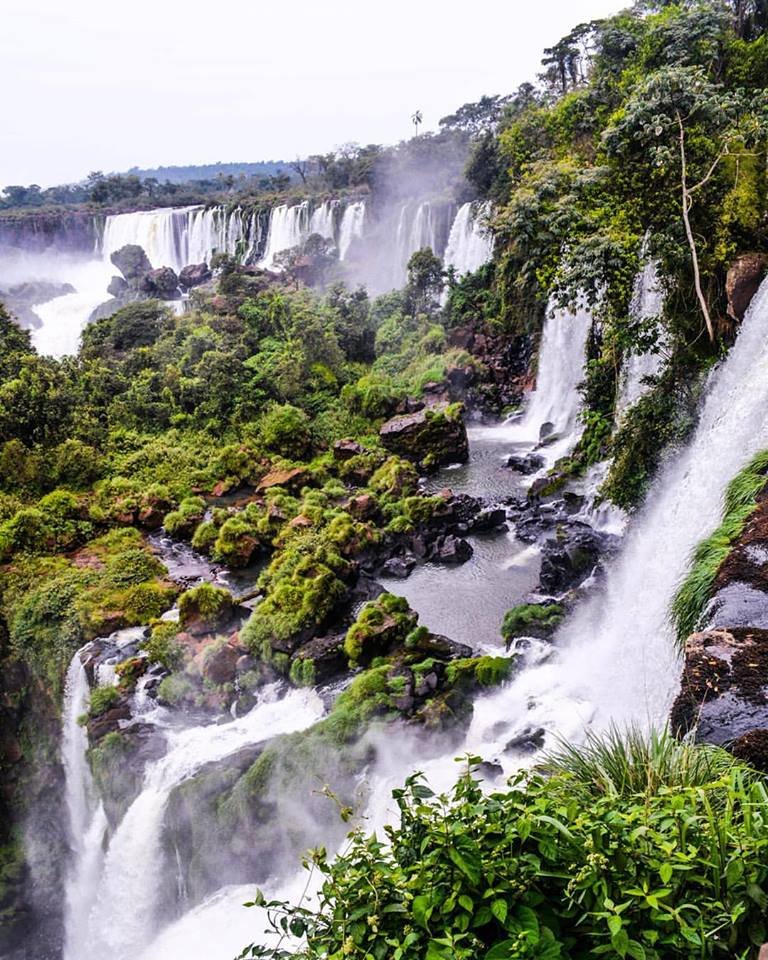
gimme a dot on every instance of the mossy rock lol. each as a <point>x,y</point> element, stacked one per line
<point>532,620</point>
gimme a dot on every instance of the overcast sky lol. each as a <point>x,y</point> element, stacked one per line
<point>99,85</point>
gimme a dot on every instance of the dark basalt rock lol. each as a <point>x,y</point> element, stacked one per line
<point>443,648</point>
<point>161,283</point>
<point>131,261</point>
<point>435,436</point>
<point>528,464</point>
<point>531,740</point>
<point>400,567</point>
<point>453,550</point>
<point>327,656</point>
<point>742,281</point>
<point>118,287</point>
<point>490,518</point>
<point>194,275</point>
<point>570,558</point>
<point>347,449</point>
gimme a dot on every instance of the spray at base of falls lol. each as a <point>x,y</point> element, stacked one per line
<point>614,662</point>
<point>123,906</point>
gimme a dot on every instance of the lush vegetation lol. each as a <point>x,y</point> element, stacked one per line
<point>739,504</point>
<point>628,847</point>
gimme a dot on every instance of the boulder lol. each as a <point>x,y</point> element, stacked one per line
<point>118,287</point>
<point>490,518</point>
<point>400,567</point>
<point>131,261</point>
<point>570,558</point>
<point>347,449</point>
<point>161,283</point>
<point>292,479</point>
<point>327,656</point>
<point>434,436</point>
<point>193,275</point>
<point>742,280</point>
<point>528,464</point>
<point>453,550</point>
<point>220,662</point>
<point>362,506</point>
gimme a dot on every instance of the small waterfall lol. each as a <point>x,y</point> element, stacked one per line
<point>647,302</point>
<point>87,822</point>
<point>352,226</point>
<point>123,916</point>
<point>323,220</point>
<point>470,244</point>
<point>418,226</point>
<point>553,408</point>
<point>288,228</point>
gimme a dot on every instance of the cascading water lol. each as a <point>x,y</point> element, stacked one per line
<point>123,915</point>
<point>647,302</point>
<point>470,244</point>
<point>87,822</point>
<point>288,227</point>
<point>352,226</point>
<point>553,408</point>
<point>417,227</point>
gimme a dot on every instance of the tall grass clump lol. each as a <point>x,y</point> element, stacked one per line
<point>739,504</point>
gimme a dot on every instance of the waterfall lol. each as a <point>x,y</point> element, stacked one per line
<point>288,228</point>
<point>352,226</point>
<point>552,411</point>
<point>470,244</point>
<point>323,220</point>
<point>86,819</point>
<point>647,302</point>
<point>123,916</point>
<point>177,236</point>
<point>64,318</point>
<point>418,226</point>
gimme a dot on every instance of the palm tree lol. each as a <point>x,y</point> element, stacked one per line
<point>416,119</point>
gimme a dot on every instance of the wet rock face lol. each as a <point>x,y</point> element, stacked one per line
<point>570,557</point>
<point>724,685</point>
<point>131,261</point>
<point>741,283</point>
<point>435,436</point>
<point>194,275</point>
<point>161,283</point>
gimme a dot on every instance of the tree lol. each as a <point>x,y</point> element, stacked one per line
<point>416,119</point>
<point>477,118</point>
<point>301,167</point>
<point>425,281</point>
<point>688,125</point>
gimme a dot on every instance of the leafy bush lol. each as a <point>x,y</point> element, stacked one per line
<point>664,858</point>
<point>284,429</point>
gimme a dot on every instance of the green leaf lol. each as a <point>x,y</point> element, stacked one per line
<point>467,903</point>
<point>665,872</point>
<point>468,862</point>
<point>499,910</point>
<point>614,925</point>
<point>422,909</point>
<point>501,951</point>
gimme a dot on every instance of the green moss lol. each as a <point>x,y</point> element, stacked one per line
<point>540,616</point>
<point>485,671</point>
<point>175,689</point>
<point>102,699</point>
<point>183,522</point>
<point>739,504</point>
<point>302,672</point>
<point>204,602</point>
<point>380,625</point>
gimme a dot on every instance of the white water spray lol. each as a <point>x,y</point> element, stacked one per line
<point>123,916</point>
<point>470,244</point>
<point>647,302</point>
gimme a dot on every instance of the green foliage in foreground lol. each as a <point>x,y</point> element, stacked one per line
<point>629,848</point>
<point>739,504</point>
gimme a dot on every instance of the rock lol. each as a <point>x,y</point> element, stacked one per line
<point>453,550</point>
<point>570,558</point>
<point>742,280</point>
<point>109,721</point>
<point>400,567</point>
<point>546,430</point>
<point>161,283</point>
<point>131,261</point>
<point>327,656</point>
<point>737,605</point>
<point>362,506</point>
<point>490,769</point>
<point>489,519</point>
<point>193,275</point>
<point>118,287</point>
<point>290,479</point>
<point>245,663</point>
<point>529,741</point>
<point>220,662</point>
<point>440,647</point>
<point>347,449</point>
<point>435,436</point>
<point>528,464</point>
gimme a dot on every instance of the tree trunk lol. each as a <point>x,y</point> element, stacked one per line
<point>687,201</point>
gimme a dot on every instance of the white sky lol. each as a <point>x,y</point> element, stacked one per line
<point>104,85</point>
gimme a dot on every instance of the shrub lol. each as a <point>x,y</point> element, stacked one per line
<point>174,689</point>
<point>183,521</point>
<point>531,619</point>
<point>657,865</point>
<point>102,700</point>
<point>162,646</point>
<point>284,429</point>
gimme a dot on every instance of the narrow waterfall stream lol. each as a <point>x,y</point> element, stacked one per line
<point>613,662</point>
